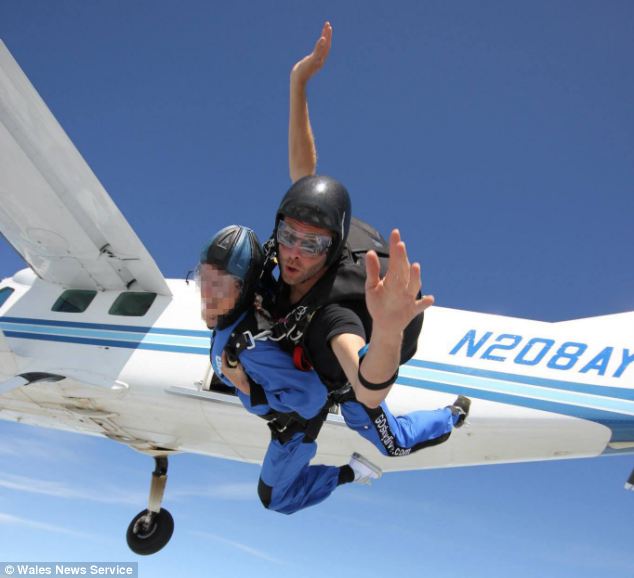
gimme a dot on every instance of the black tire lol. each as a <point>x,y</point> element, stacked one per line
<point>145,542</point>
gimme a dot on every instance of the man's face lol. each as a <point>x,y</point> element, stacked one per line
<point>219,293</point>
<point>297,265</point>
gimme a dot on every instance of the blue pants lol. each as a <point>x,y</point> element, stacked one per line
<point>288,484</point>
<point>402,435</point>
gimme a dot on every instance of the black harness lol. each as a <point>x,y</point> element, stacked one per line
<point>283,426</point>
<point>343,282</point>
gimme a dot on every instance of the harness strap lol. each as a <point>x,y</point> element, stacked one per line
<point>257,396</point>
<point>284,426</point>
<point>313,427</point>
<point>243,337</point>
<point>341,395</point>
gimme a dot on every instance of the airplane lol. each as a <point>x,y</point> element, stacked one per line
<point>94,340</point>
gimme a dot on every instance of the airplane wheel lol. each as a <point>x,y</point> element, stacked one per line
<point>149,541</point>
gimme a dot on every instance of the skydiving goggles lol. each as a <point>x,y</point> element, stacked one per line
<point>309,244</point>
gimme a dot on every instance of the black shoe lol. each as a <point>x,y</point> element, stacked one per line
<point>460,407</point>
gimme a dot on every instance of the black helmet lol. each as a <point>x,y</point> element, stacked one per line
<point>236,250</point>
<point>321,201</point>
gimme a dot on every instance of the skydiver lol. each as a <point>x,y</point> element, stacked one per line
<point>328,321</point>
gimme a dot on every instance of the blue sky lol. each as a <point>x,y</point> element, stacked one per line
<point>497,135</point>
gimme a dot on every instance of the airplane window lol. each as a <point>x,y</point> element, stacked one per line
<point>74,301</point>
<point>132,303</point>
<point>5,294</point>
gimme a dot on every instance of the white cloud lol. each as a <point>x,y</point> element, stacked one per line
<point>10,520</point>
<point>33,448</point>
<point>57,489</point>
<point>239,491</point>
<point>240,546</point>
<point>585,555</point>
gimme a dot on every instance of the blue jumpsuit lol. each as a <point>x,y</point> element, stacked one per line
<point>293,483</point>
<point>287,482</point>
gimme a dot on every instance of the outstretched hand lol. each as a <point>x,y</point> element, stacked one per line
<point>309,65</point>
<point>393,301</point>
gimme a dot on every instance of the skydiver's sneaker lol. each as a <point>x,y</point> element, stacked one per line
<point>460,410</point>
<point>364,470</point>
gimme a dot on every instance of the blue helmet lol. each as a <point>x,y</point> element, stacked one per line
<point>237,251</point>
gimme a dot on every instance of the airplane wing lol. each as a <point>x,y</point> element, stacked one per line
<point>54,211</point>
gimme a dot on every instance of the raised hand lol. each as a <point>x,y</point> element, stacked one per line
<point>310,64</point>
<point>393,301</point>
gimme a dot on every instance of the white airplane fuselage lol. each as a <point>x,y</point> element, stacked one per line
<point>540,390</point>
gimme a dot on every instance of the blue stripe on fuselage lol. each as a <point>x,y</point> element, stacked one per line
<point>105,326</point>
<point>610,406</point>
<point>107,343</point>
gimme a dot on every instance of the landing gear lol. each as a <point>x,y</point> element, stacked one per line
<point>151,529</point>
<point>149,532</point>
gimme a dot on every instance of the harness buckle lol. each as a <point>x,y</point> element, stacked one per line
<point>251,340</point>
<point>341,395</point>
<point>276,427</point>
<point>245,341</point>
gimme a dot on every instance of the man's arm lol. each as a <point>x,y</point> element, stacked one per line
<point>393,304</point>
<point>302,154</point>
